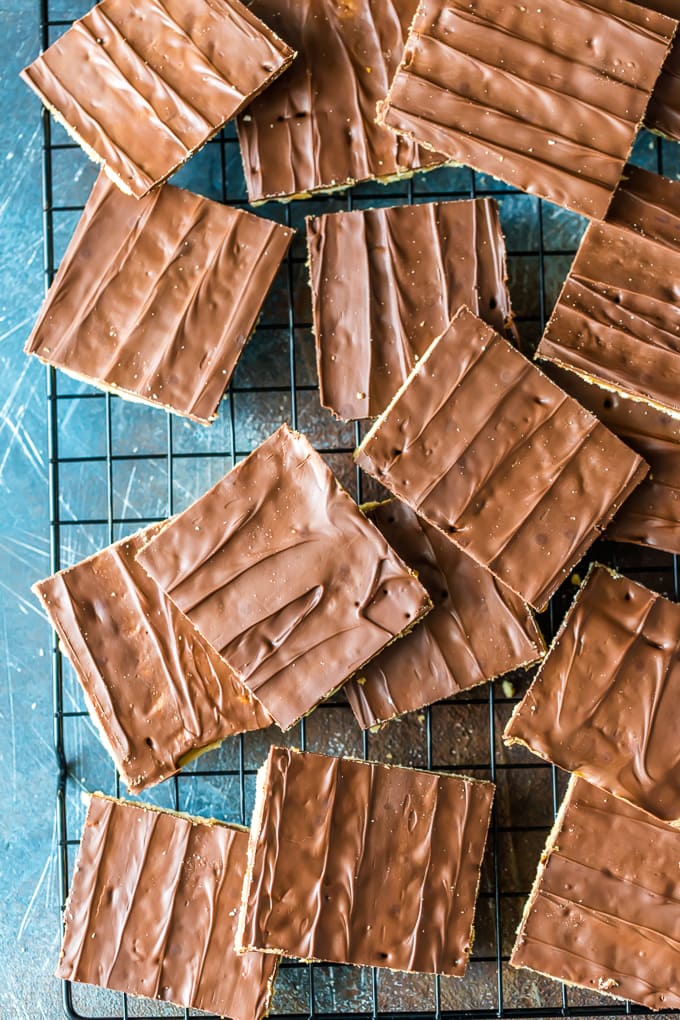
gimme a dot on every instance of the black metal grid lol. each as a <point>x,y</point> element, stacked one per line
<point>472,722</point>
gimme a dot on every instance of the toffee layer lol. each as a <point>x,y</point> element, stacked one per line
<point>546,96</point>
<point>315,129</point>
<point>604,701</point>
<point>604,911</point>
<point>386,281</point>
<point>142,84</point>
<point>153,908</point>
<point>617,319</point>
<point>477,631</point>
<point>155,688</point>
<point>284,576</point>
<point>487,449</point>
<point>353,862</point>
<point>155,299</point>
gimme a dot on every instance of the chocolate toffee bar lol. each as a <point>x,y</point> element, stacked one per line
<point>155,299</point>
<point>153,909</point>
<point>546,95</point>
<point>663,112</point>
<point>157,691</point>
<point>604,911</point>
<point>142,84</point>
<point>352,862</point>
<point>386,281</point>
<point>315,128</point>
<point>604,703</point>
<point>651,514</point>
<point>281,572</point>
<point>477,631</point>
<point>487,449</point>
<point>617,320</point>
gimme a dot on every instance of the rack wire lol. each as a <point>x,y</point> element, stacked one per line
<point>98,445</point>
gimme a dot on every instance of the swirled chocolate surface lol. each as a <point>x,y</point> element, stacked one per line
<point>155,298</point>
<point>155,688</point>
<point>315,129</point>
<point>385,282</point>
<point>143,84</point>
<point>651,514</point>
<point>284,576</point>
<point>478,629</point>
<point>545,96</point>
<point>153,907</point>
<point>487,449</point>
<point>605,908</point>
<point>353,862</point>
<point>617,320</point>
<point>604,702</point>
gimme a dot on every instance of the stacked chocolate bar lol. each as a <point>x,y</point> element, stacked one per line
<point>274,589</point>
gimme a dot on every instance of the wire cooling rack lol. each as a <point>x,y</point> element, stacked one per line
<point>116,466</point>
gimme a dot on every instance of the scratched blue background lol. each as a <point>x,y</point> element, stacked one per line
<point>29,899</point>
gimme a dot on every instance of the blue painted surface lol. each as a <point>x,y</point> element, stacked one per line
<point>29,897</point>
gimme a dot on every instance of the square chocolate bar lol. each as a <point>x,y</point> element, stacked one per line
<point>617,320</point>
<point>487,449</point>
<point>284,576</point>
<point>477,631</point>
<point>142,84</point>
<point>315,128</point>
<point>386,281</point>
<point>153,909</point>
<point>546,95</point>
<point>353,862</point>
<point>155,299</point>
<point>157,691</point>
<point>604,911</point>
<point>651,514</point>
<point>604,703</point>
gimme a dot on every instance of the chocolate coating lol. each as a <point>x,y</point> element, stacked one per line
<point>663,112</point>
<point>155,299</point>
<point>547,96</point>
<point>487,449</point>
<point>604,701</point>
<point>651,514</point>
<point>143,84</point>
<point>478,630</point>
<point>152,911</point>
<point>279,569</point>
<point>155,688</point>
<point>604,913</point>
<point>386,281</point>
<point>353,862</point>
<point>617,320</point>
<point>315,129</point>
